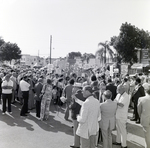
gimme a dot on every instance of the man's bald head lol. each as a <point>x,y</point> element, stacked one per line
<point>121,89</point>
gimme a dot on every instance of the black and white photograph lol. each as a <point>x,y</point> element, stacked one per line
<point>74,73</point>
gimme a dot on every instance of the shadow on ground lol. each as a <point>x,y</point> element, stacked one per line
<point>55,123</point>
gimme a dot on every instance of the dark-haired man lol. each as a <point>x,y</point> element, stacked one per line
<point>68,93</point>
<point>137,93</point>
<point>75,110</point>
<point>38,88</point>
<point>110,86</point>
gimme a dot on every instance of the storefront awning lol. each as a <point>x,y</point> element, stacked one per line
<point>138,66</point>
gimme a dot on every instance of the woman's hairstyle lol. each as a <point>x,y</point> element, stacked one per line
<point>93,78</point>
<point>71,81</point>
<point>49,81</point>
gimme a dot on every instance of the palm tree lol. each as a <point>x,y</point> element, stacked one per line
<point>103,49</point>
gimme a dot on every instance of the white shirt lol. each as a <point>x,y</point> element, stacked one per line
<point>24,86</point>
<point>7,83</point>
<point>122,112</point>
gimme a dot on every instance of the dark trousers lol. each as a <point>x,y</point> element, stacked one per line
<point>6,97</point>
<point>38,108</point>
<point>25,95</point>
<point>59,94</point>
<point>0,97</point>
<point>136,111</point>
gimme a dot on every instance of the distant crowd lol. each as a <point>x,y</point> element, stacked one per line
<point>97,104</point>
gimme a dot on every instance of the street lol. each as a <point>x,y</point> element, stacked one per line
<point>30,132</point>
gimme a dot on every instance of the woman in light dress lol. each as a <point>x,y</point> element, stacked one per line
<point>46,100</point>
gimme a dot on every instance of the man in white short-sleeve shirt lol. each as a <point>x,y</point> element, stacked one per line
<point>7,87</point>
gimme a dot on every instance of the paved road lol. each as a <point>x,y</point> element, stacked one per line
<point>19,132</point>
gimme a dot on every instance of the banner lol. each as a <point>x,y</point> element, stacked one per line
<point>50,68</point>
<point>124,68</point>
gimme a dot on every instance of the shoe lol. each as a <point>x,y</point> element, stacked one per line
<point>137,122</point>
<point>133,119</point>
<point>13,102</point>
<point>27,112</point>
<point>116,143</point>
<point>3,113</point>
<point>10,112</point>
<point>21,103</point>
<point>23,115</point>
<point>131,107</point>
<point>74,146</point>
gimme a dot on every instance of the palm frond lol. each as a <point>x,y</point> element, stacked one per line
<point>99,52</point>
<point>103,44</point>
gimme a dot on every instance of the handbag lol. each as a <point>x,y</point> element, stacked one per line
<point>42,94</point>
<point>63,99</point>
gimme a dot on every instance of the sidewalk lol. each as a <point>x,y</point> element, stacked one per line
<point>30,132</point>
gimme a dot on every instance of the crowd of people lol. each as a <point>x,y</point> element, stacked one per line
<point>97,104</point>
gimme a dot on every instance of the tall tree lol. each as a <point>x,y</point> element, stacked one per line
<point>72,55</point>
<point>129,39</point>
<point>9,51</point>
<point>143,39</point>
<point>104,48</point>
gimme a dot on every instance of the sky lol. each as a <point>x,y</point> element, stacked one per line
<point>75,25</point>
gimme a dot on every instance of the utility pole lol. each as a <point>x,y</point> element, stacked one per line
<point>38,58</point>
<point>50,48</point>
